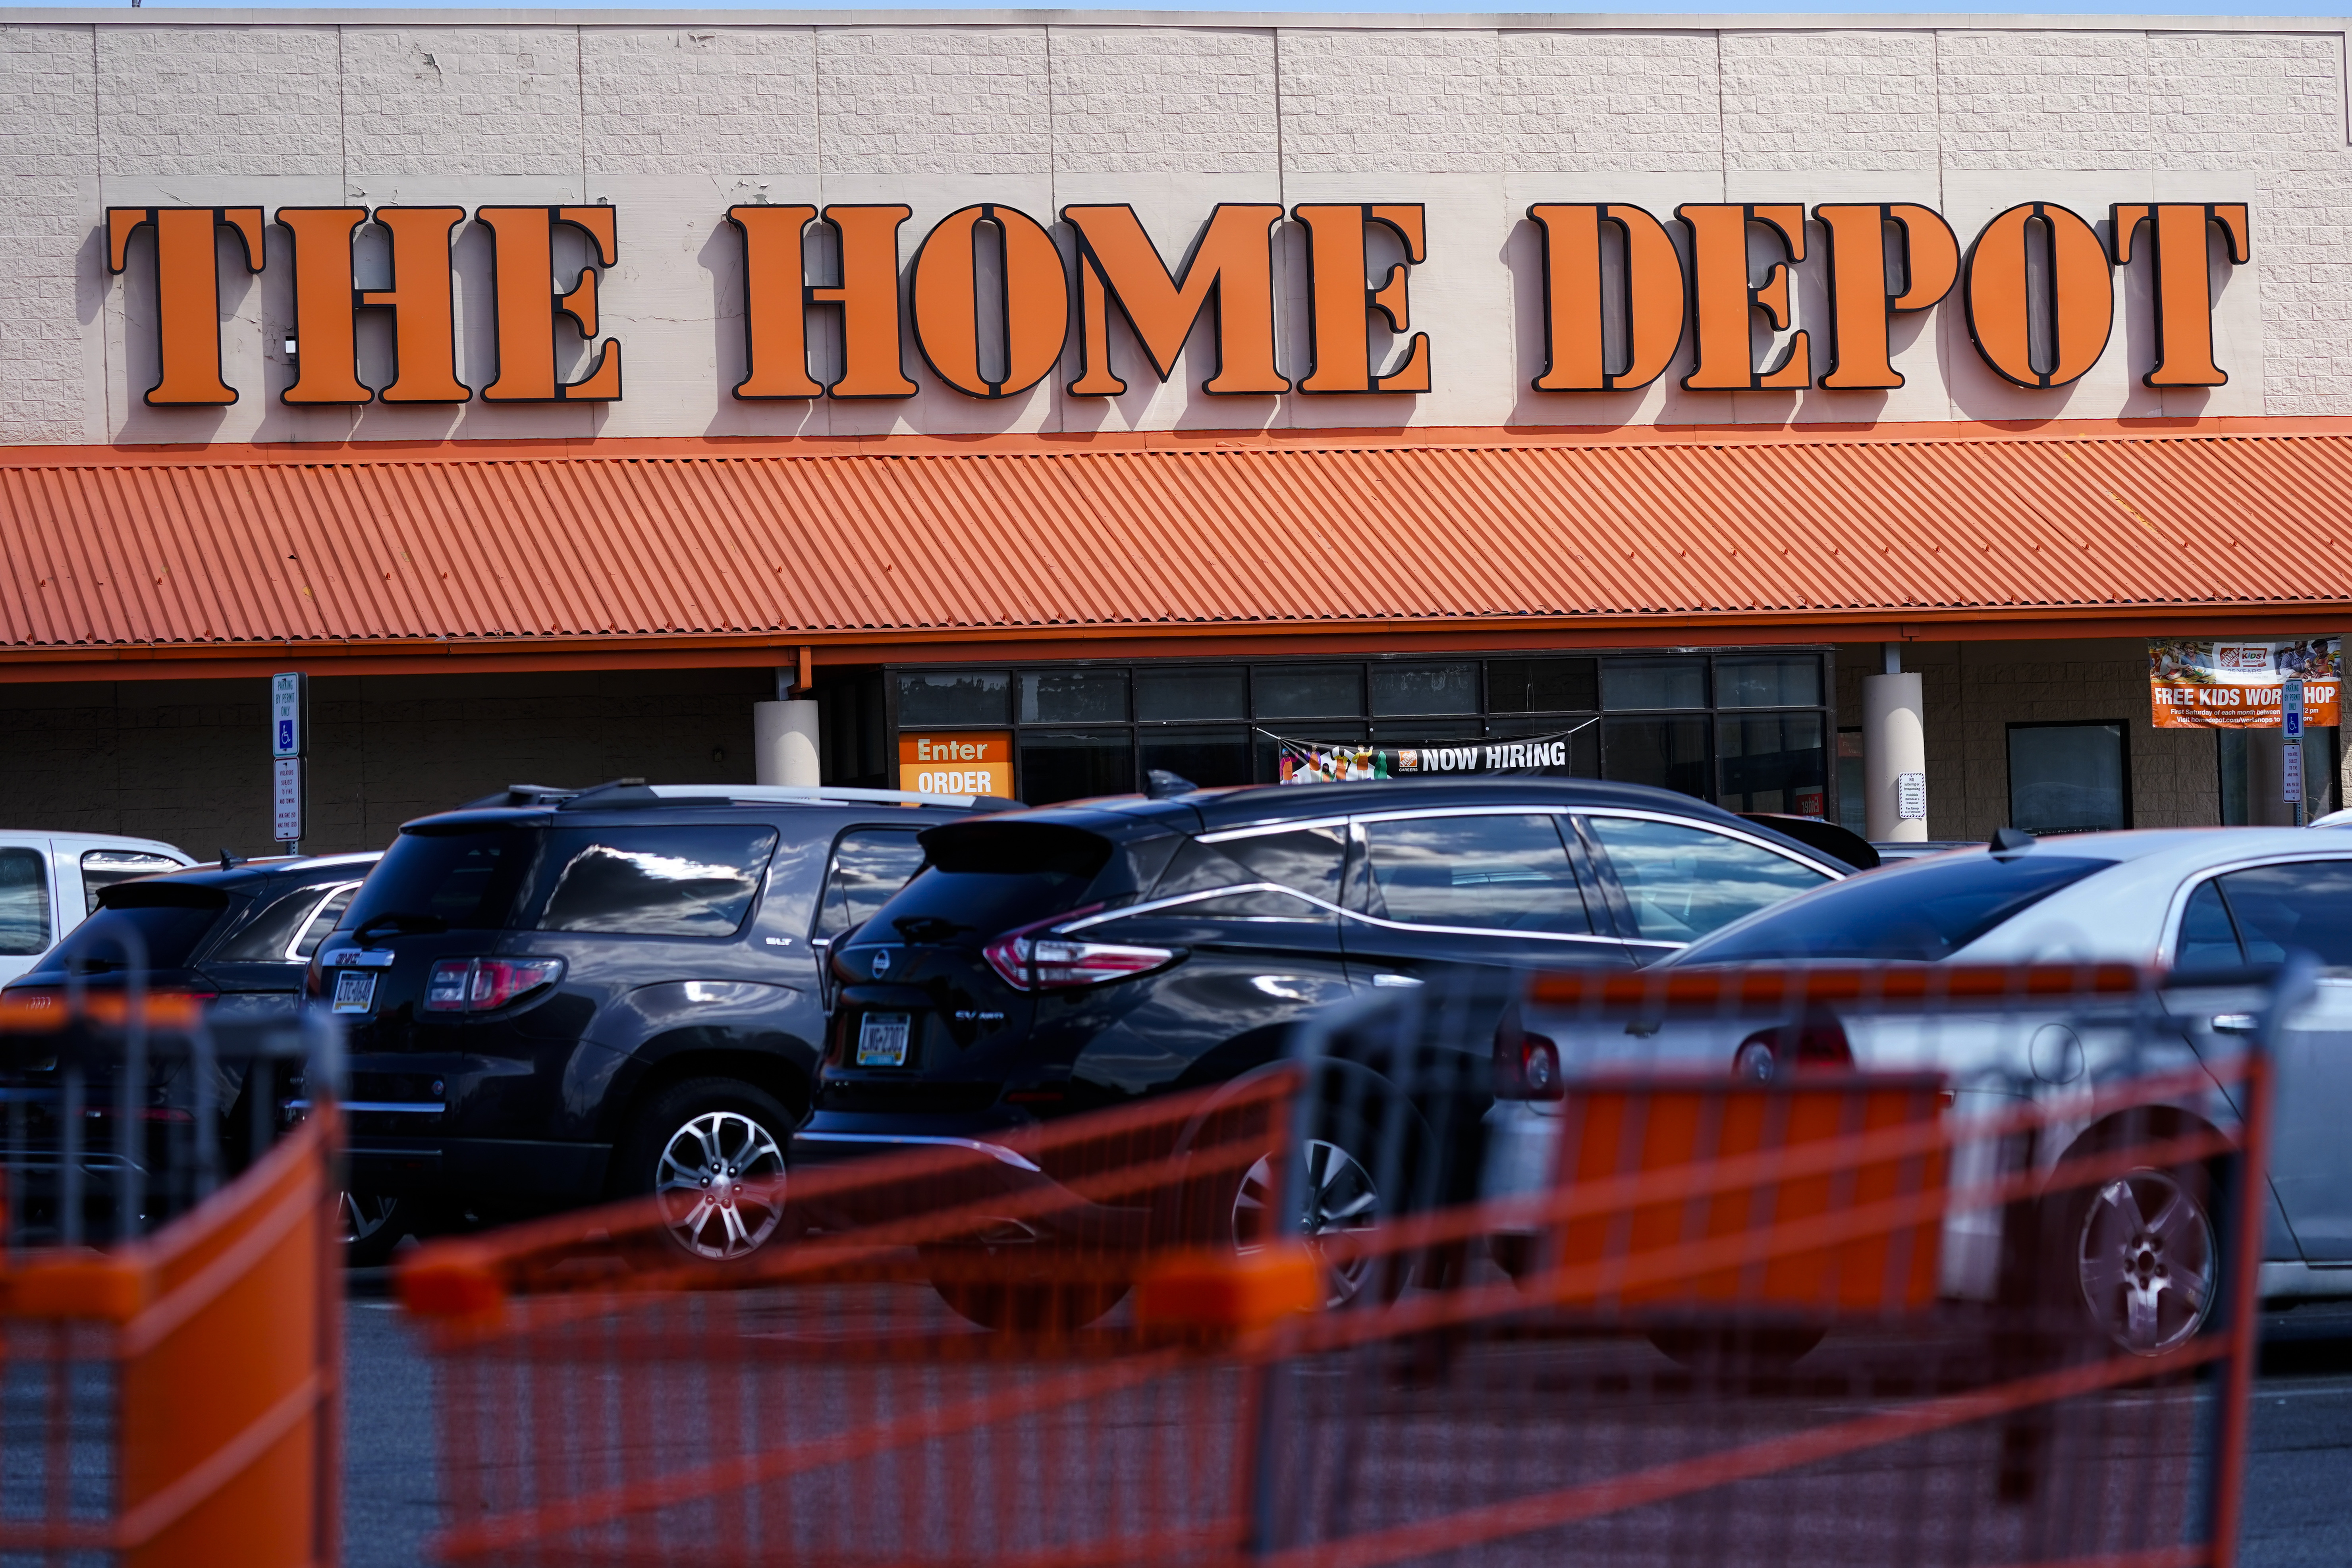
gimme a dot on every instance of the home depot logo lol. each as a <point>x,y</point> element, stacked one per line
<point>2036,283</point>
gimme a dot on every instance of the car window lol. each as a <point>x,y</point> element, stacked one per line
<point>869,864</point>
<point>324,920</point>
<point>2302,906</point>
<point>297,923</point>
<point>24,902</point>
<point>652,881</point>
<point>1919,912</point>
<point>1684,881</point>
<point>1491,872</point>
<point>165,924</point>
<point>462,881</point>
<point>2209,937</point>
<point>1308,860</point>
<point>101,869</point>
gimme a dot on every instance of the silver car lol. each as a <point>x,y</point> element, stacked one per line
<point>2211,901</point>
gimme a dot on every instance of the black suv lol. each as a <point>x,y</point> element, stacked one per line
<point>562,996</point>
<point>1086,955</point>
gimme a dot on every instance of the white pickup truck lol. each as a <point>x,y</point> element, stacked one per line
<point>49,884</point>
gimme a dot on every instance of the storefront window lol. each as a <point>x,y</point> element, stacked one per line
<point>1214,692</point>
<point>2253,763</point>
<point>1654,683</point>
<point>953,696</point>
<point>1073,697</point>
<point>1308,691</point>
<point>2068,778</point>
<point>1401,689</point>
<point>1668,753</point>
<point>1543,685</point>
<point>1853,809</point>
<point>1209,758</point>
<point>1772,762</point>
<point>1745,681</point>
<point>1067,765</point>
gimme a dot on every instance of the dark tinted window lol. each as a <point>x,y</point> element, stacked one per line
<point>1683,881</point>
<point>1306,858</point>
<point>1058,765</point>
<point>1210,693</point>
<point>869,864</point>
<point>1542,685</point>
<point>1770,680</point>
<point>1918,913</point>
<point>324,921</point>
<point>652,881</point>
<point>1424,689</point>
<point>954,698</point>
<point>456,881</point>
<point>24,901</point>
<point>1073,697</point>
<point>1308,691</point>
<point>985,879</point>
<point>172,924</point>
<point>2305,907</point>
<point>265,937</point>
<point>1496,873</point>
<point>1654,683</point>
<point>1207,757</point>
<point>2209,937</point>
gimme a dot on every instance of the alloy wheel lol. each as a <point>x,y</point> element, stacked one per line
<point>361,1216</point>
<point>2145,1261</point>
<point>1340,1197</point>
<point>720,1180</point>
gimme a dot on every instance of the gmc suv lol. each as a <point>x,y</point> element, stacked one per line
<point>554,997</point>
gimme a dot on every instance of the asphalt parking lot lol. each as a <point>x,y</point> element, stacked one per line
<point>2302,1467</point>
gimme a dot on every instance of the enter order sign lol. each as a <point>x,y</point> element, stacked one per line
<point>958,761</point>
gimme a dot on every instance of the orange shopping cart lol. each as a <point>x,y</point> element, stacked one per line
<point>1802,1267</point>
<point>171,1289</point>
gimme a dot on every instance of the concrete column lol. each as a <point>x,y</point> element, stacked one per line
<point>1893,744</point>
<point>783,742</point>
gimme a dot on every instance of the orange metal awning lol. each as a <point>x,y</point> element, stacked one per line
<point>121,562</point>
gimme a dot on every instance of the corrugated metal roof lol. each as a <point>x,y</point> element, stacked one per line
<point>366,549</point>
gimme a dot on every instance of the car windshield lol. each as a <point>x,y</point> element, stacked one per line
<point>1918,913</point>
<point>167,925</point>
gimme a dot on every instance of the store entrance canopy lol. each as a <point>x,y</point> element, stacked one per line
<point>119,563</point>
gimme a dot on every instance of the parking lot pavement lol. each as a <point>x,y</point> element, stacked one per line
<point>2301,1475</point>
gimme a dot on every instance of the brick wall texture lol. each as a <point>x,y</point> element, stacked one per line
<point>673,122</point>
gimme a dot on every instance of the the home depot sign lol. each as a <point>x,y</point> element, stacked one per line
<point>994,297</point>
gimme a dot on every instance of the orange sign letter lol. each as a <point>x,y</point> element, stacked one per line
<point>871,364</point>
<point>187,292</point>
<point>2080,298</point>
<point>1722,299</point>
<point>1232,263</point>
<point>424,318</point>
<point>326,356</point>
<point>2184,281</point>
<point>1861,300</point>
<point>1575,311</point>
<point>1338,354</point>
<point>523,301</point>
<point>1034,299</point>
<point>775,331</point>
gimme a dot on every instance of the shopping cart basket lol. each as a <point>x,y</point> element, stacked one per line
<point>1798,1277</point>
<point>169,1288</point>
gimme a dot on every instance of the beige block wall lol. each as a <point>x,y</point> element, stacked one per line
<point>1975,691</point>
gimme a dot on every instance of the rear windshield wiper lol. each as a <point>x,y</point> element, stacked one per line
<point>400,925</point>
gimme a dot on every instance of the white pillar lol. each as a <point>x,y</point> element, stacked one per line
<point>1894,754</point>
<point>783,742</point>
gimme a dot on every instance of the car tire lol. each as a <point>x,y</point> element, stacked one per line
<point>710,1150</point>
<point>372,1227</point>
<point>2133,1261</point>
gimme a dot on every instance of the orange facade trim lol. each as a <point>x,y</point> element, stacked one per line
<point>118,563</point>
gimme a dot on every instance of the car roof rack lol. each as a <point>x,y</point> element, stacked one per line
<point>827,794</point>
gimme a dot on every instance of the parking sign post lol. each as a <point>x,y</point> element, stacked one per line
<point>2291,718</point>
<point>289,742</point>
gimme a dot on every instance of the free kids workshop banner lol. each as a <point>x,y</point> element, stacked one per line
<point>2236,685</point>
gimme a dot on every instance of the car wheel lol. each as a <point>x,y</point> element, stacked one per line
<point>372,1226</point>
<point>2135,1257</point>
<point>1341,1197</point>
<point>710,1151</point>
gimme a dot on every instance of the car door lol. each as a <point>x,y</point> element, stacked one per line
<point>1673,881</point>
<point>1481,886</point>
<point>2260,914</point>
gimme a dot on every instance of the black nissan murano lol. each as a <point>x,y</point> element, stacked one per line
<point>1048,961</point>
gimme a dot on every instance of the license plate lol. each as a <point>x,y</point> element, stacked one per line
<point>354,990</point>
<point>882,1039</point>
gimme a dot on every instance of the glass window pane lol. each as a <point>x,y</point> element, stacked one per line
<point>1773,761</point>
<point>869,864</point>
<point>1918,912</point>
<point>1668,753</point>
<point>1217,692</point>
<point>1654,683</point>
<point>1853,807</point>
<point>24,902</point>
<point>2066,778</point>
<point>324,921</point>
<point>1584,741</point>
<point>653,881</point>
<point>1543,685</point>
<point>2305,907</point>
<point>954,697</point>
<point>2207,938</point>
<point>101,869</point>
<point>1308,690</point>
<point>1683,882</point>
<point>1306,858</point>
<point>1489,873</point>
<point>268,935</point>
<point>1768,680</point>
<point>1072,764</point>
<point>1073,697</point>
<point>1424,689</point>
<point>1209,758</point>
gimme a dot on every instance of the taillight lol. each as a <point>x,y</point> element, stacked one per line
<point>1526,1066</point>
<point>479,985</point>
<point>1059,962</point>
<point>1817,1042</point>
